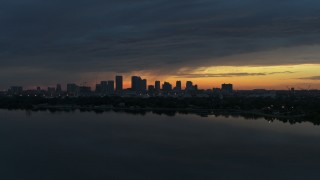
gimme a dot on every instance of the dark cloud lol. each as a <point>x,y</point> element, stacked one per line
<point>74,37</point>
<point>221,75</point>
<point>311,78</point>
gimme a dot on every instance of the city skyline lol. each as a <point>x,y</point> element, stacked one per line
<point>116,85</point>
<point>127,84</point>
<point>254,44</point>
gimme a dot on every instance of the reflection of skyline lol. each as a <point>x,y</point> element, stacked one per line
<point>172,113</point>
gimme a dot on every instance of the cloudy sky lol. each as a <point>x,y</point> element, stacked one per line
<point>251,43</point>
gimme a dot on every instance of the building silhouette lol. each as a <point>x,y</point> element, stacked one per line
<point>72,89</point>
<point>157,85</point>
<point>167,87</point>
<point>136,82</point>
<point>189,85</point>
<point>104,87</point>
<point>227,88</point>
<point>58,88</point>
<point>16,90</point>
<point>119,83</point>
<point>110,87</point>
<point>178,86</point>
<point>143,85</point>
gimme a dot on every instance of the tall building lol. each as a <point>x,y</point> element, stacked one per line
<point>72,88</point>
<point>167,87</point>
<point>136,83</point>
<point>16,90</point>
<point>227,88</point>
<point>110,88</point>
<point>143,85</point>
<point>98,88</point>
<point>178,86</point>
<point>104,87</point>
<point>157,85</point>
<point>119,83</point>
<point>58,88</point>
<point>189,85</point>
<point>84,90</point>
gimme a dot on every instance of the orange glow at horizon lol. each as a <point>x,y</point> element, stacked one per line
<point>264,77</point>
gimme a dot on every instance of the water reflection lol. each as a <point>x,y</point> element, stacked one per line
<point>201,113</point>
<point>142,144</point>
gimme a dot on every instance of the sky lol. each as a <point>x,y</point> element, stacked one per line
<point>271,44</point>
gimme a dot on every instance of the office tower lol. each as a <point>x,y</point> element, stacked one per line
<point>178,86</point>
<point>136,83</point>
<point>119,83</point>
<point>72,88</point>
<point>167,87</point>
<point>104,87</point>
<point>227,88</point>
<point>143,85</point>
<point>85,90</point>
<point>110,88</point>
<point>16,90</point>
<point>189,85</point>
<point>157,85</point>
<point>58,88</point>
<point>98,88</point>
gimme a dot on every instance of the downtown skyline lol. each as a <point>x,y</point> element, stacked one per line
<point>254,44</point>
<point>204,81</point>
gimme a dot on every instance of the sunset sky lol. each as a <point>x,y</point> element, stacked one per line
<point>271,44</point>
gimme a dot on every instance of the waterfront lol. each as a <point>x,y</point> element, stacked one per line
<point>120,145</point>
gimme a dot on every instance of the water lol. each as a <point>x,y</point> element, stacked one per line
<point>86,145</point>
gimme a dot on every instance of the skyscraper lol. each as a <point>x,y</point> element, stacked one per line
<point>104,87</point>
<point>58,88</point>
<point>136,83</point>
<point>72,88</point>
<point>119,83</point>
<point>178,86</point>
<point>167,87</point>
<point>143,85</point>
<point>157,85</point>
<point>227,88</point>
<point>110,88</point>
<point>189,85</point>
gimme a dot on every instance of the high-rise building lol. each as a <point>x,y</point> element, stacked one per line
<point>104,87</point>
<point>84,90</point>
<point>58,88</point>
<point>98,88</point>
<point>189,85</point>
<point>72,89</point>
<point>157,85</point>
<point>119,83</point>
<point>16,90</point>
<point>143,85</point>
<point>110,88</point>
<point>167,87</point>
<point>227,88</point>
<point>136,83</point>
<point>178,86</point>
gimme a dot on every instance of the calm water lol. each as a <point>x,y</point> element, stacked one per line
<point>86,145</point>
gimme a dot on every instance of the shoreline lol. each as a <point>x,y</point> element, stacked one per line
<point>205,111</point>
